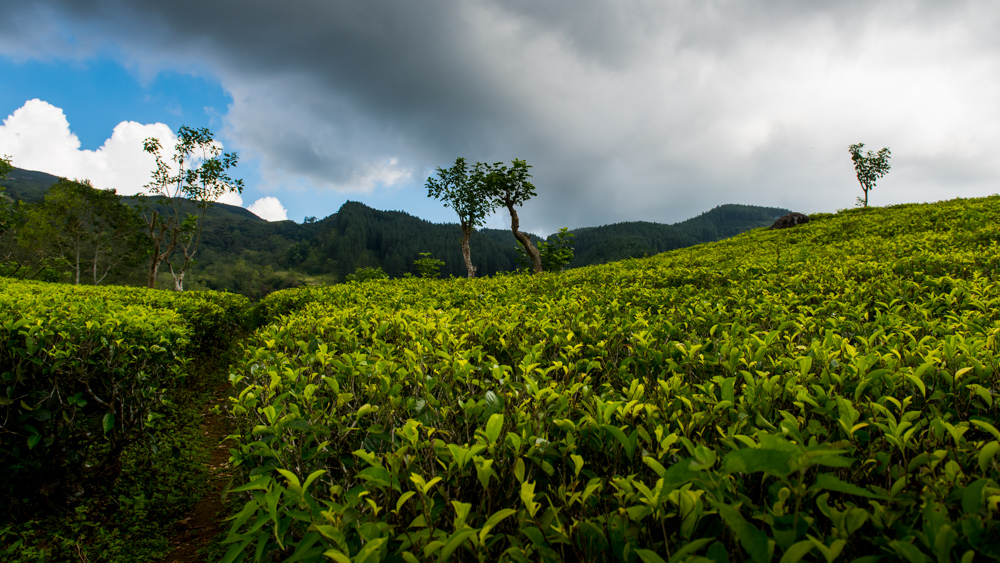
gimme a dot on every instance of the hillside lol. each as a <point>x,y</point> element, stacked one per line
<point>821,392</point>
<point>597,245</point>
<point>245,254</point>
<point>825,392</point>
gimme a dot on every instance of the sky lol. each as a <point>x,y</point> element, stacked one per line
<point>627,110</point>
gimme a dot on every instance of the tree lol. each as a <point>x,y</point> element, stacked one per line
<point>509,187</point>
<point>456,189</point>
<point>557,252</point>
<point>16,259</point>
<point>427,266</point>
<point>6,206</point>
<point>85,229</point>
<point>201,186</point>
<point>869,167</point>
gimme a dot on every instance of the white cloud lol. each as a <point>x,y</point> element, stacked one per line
<point>38,137</point>
<point>269,208</point>
<point>231,198</point>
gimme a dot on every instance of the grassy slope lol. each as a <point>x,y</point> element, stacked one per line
<point>827,387</point>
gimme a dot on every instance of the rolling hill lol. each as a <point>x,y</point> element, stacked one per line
<point>244,253</point>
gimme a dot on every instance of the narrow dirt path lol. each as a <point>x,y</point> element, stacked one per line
<point>204,521</point>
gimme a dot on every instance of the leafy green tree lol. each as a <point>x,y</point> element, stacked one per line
<point>427,266</point>
<point>869,167</point>
<point>176,230</point>
<point>85,229</point>
<point>455,188</point>
<point>6,206</point>
<point>509,187</point>
<point>557,252</point>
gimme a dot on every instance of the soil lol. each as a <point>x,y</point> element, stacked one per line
<point>203,523</point>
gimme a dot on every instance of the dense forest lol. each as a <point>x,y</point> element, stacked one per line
<point>245,254</point>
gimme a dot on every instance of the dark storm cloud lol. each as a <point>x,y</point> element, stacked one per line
<point>627,109</point>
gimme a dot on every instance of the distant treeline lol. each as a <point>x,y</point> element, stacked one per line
<point>244,254</point>
<point>635,239</point>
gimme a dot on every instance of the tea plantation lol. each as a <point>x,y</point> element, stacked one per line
<point>820,393</point>
<point>813,394</point>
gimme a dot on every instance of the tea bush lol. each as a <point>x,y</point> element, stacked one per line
<point>83,370</point>
<point>815,393</point>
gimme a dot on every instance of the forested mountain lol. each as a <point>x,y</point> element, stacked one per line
<point>634,239</point>
<point>243,253</point>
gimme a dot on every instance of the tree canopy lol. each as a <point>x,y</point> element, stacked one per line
<point>510,188</point>
<point>869,167</point>
<point>457,190</point>
<point>202,185</point>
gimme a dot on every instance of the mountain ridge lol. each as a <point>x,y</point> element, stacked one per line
<point>241,250</point>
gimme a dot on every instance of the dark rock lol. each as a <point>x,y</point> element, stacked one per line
<point>790,220</point>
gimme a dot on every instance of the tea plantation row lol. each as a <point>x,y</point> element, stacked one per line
<point>84,372</point>
<point>814,394</point>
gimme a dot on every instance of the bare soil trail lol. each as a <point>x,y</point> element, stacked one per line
<point>203,522</point>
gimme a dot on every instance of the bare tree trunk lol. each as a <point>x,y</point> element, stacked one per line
<point>77,281</point>
<point>154,265</point>
<point>154,260</point>
<point>178,277</point>
<point>515,225</point>
<point>466,252</point>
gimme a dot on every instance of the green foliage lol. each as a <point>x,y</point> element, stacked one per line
<point>869,167</point>
<point>129,519</point>
<point>84,372</point>
<point>457,190</point>
<point>175,229</point>
<point>81,379</point>
<point>367,274</point>
<point>427,266</point>
<point>5,204</point>
<point>88,232</point>
<point>5,166</point>
<point>100,443</point>
<point>715,401</point>
<point>510,188</point>
<point>636,239</point>
<point>277,255</point>
<point>557,253</point>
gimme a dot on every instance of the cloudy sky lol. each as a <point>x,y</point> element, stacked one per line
<point>652,110</point>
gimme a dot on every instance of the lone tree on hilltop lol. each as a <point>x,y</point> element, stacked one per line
<point>869,167</point>
<point>202,185</point>
<point>456,189</point>
<point>509,187</point>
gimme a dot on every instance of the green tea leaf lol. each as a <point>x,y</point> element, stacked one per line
<point>492,521</point>
<point>832,483</point>
<point>797,551</point>
<point>455,541</point>
<point>972,497</point>
<point>757,460</point>
<point>493,427</point>
<point>753,540</point>
<point>987,453</point>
